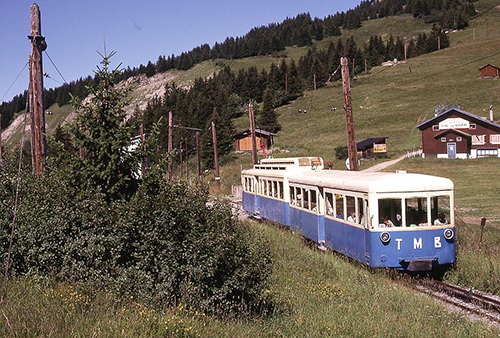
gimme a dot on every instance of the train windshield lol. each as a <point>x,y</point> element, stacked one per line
<point>414,211</point>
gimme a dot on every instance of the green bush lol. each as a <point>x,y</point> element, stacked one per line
<point>164,245</point>
<point>341,153</point>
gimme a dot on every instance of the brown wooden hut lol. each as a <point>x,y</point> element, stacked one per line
<point>243,139</point>
<point>489,71</point>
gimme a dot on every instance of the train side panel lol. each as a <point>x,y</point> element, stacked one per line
<point>346,239</point>
<point>274,210</point>
<point>306,223</point>
<point>249,202</point>
<point>409,246</point>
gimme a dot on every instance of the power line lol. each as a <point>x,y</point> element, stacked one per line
<point>49,77</point>
<point>66,82</point>
<point>14,80</point>
<point>486,11</point>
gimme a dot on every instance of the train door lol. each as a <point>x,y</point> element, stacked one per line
<point>367,224</point>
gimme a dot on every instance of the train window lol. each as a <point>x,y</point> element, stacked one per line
<point>281,192</point>
<point>329,204</point>
<point>416,211</point>
<point>361,211</point>
<point>275,189</point>
<point>440,210</point>
<point>306,198</point>
<point>270,188</point>
<point>389,212</point>
<point>314,201</point>
<point>300,195</point>
<point>292,196</point>
<point>351,208</point>
<point>339,203</point>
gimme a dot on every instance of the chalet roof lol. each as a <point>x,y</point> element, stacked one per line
<point>247,132</point>
<point>465,114</point>
<point>489,64</point>
<point>456,131</point>
<point>369,142</point>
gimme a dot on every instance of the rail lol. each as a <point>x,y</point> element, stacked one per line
<point>477,303</point>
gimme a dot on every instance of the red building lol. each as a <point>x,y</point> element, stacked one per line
<point>459,134</point>
<point>489,71</point>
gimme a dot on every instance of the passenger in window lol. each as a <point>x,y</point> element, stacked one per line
<point>398,219</point>
<point>352,217</point>
<point>386,223</point>
<point>441,220</point>
<point>340,215</point>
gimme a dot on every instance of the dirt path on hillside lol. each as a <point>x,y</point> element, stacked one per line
<point>383,165</point>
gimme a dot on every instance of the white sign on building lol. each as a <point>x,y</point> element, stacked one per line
<point>454,123</point>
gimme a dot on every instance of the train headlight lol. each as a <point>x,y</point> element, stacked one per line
<point>385,237</point>
<point>448,234</point>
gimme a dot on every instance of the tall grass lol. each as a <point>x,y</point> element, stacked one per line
<point>314,293</point>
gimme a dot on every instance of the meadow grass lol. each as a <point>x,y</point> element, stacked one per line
<point>314,293</point>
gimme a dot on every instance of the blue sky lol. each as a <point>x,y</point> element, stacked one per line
<point>139,31</point>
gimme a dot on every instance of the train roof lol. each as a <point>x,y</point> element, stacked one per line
<point>375,182</point>
<point>284,167</point>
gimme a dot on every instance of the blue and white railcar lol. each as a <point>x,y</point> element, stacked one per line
<point>396,220</point>
<point>266,190</point>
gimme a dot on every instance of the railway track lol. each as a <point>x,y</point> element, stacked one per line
<point>480,305</point>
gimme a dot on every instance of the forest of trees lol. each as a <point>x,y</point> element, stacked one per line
<point>226,95</point>
<point>300,30</point>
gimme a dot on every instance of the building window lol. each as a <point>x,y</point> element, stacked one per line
<point>459,138</point>
<point>435,127</point>
<point>487,152</point>
<point>472,126</point>
<point>478,139</point>
<point>495,139</point>
<point>443,139</point>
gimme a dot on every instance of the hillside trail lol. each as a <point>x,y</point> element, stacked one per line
<point>383,165</point>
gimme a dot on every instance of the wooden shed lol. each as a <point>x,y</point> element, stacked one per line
<point>372,146</point>
<point>489,71</point>
<point>243,140</point>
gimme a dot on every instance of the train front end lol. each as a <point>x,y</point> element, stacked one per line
<point>414,228</point>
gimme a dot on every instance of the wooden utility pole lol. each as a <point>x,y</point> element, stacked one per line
<point>366,67</point>
<point>0,137</point>
<point>38,45</point>
<point>145,160</point>
<point>252,133</point>
<point>169,149</point>
<point>406,49</point>
<point>314,81</point>
<point>198,152</point>
<point>351,141</point>
<point>187,159</point>
<point>439,43</point>
<point>180,158</point>
<point>286,83</point>
<point>216,156</point>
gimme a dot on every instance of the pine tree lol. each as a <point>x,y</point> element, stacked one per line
<point>267,119</point>
<point>100,130</point>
